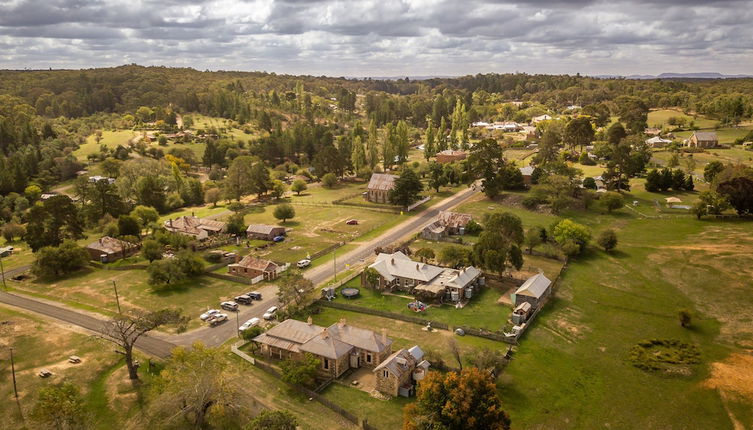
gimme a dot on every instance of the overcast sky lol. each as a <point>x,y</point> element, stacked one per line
<point>382,37</point>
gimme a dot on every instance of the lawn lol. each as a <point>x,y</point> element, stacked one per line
<point>93,289</point>
<point>316,227</point>
<point>726,135</point>
<point>382,414</point>
<point>660,117</point>
<point>39,344</point>
<point>571,369</point>
<point>111,139</point>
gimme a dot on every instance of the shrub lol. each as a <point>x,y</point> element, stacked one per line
<point>607,239</point>
<point>329,180</point>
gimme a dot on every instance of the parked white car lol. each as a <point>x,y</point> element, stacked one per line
<point>208,314</point>
<point>229,306</point>
<point>270,313</point>
<point>217,318</point>
<point>253,322</point>
<point>303,263</point>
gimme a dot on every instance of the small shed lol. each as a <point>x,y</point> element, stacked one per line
<point>521,312</point>
<point>534,290</point>
<point>264,231</point>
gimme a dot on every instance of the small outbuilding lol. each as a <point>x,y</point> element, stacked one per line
<point>264,231</point>
<point>533,291</point>
<point>108,249</point>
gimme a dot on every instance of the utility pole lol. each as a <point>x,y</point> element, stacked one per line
<point>2,270</point>
<point>237,323</point>
<point>13,371</point>
<point>117,298</point>
<point>334,264</point>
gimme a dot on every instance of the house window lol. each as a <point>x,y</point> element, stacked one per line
<point>385,374</point>
<point>326,363</point>
<point>368,358</point>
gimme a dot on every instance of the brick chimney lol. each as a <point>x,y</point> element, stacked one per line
<point>341,323</point>
<point>325,334</point>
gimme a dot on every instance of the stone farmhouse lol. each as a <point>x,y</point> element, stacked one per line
<point>199,228</point>
<point>398,374</point>
<point>703,139</point>
<point>252,267</point>
<point>447,223</point>
<point>338,347</point>
<point>107,249</point>
<point>264,231</point>
<point>380,185</point>
<point>427,282</point>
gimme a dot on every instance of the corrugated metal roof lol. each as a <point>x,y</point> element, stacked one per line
<point>251,262</point>
<point>263,228</point>
<point>535,286</point>
<point>382,181</point>
<point>110,245</point>
<point>398,264</point>
<point>393,363</point>
<point>359,337</point>
<point>705,135</point>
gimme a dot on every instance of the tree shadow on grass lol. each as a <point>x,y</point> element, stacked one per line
<point>182,287</point>
<point>47,281</point>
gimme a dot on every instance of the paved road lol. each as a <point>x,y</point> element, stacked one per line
<point>160,344</point>
<point>214,336</point>
<point>148,344</point>
<point>324,272</point>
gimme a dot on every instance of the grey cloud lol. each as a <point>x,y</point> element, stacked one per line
<point>381,37</point>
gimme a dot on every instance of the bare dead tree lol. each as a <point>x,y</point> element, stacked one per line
<point>125,329</point>
<point>455,350</point>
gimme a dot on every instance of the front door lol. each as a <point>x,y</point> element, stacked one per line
<point>355,361</point>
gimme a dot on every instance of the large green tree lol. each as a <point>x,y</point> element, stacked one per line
<point>498,245</point>
<point>53,221</point>
<point>407,188</point>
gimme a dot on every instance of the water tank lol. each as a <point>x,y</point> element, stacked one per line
<point>461,230</point>
<point>419,374</point>
<point>468,293</point>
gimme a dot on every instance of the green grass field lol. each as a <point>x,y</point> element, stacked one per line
<point>93,289</point>
<point>660,117</point>
<point>39,344</point>
<point>571,369</point>
<point>109,138</point>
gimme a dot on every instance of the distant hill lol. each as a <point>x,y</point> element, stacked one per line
<point>696,75</point>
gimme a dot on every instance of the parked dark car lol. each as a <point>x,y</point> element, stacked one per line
<point>243,299</point>
<point>255,295</point>
<point>278,238</point>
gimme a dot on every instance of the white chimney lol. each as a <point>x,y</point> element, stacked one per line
<point>309,321</point>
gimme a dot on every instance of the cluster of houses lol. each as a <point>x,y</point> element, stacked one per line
<point>427,282</point>
<point>341,347</point>
<point>108,249</point>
